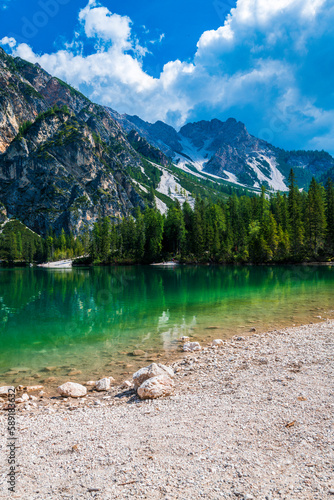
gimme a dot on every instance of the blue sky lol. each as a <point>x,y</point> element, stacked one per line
<point>268,63</point>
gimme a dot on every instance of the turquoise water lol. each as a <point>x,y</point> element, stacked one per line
<point>91,320</point>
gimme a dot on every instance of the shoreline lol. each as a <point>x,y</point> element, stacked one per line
<point>252,417</point>
<point>121,369</point>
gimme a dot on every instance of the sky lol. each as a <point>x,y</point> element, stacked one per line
<point>267,63</point>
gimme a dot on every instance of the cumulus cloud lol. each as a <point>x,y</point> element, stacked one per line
<point>270,65</point>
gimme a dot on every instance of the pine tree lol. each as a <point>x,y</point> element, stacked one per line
<point>330,216</point>
<point>295,217</point>
<point>316,217</point>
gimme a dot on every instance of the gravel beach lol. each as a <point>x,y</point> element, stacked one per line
<point>250,419</point>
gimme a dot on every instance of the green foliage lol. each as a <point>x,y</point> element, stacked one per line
<point>293,228</point>
<point>256,229</point>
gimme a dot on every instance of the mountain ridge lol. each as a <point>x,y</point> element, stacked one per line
<point>227,150</point>
<point>65,161</point>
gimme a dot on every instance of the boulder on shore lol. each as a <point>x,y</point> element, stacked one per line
<point>151,371</point>
<point>156,387</point>
<point>217,342</point>
<point>103,384</point>
<point>72,389</point>
<point>192,346</point>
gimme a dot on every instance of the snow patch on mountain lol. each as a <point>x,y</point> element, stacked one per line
<point>169,186</point>
<point>198,157</point>
<point>274,178</point>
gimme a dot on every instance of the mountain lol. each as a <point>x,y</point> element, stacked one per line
<point>65,161</point>
<point>227,151</point>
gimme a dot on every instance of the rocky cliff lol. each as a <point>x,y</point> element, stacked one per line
<point>64,160</point>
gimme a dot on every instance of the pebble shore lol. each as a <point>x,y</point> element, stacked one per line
<point>251,418</point>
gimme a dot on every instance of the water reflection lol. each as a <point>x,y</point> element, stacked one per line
<point>85,317</point>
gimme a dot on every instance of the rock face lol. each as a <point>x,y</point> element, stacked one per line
<point>73,390</point>
<point>151,371</point>
<point>156,387</point>
<point>191,347</point>
<point>60,168</point>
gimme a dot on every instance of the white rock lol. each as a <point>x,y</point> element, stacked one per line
<point>23,399</point>
<point>126,385</point>
<point>156,387</point>
<point>5,388</point>
<point>151,371</point>
<point>91,383</point>
<point>72,390</point>
<point>103,384</point>
<point>217,342</point>
<point>192,346</point>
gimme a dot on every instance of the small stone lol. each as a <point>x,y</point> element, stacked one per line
<point>126,385</point>
<point>138,352</point>
<point>217,342</point>
<point>156,387</point>
<point>91,383</point>
<point>23,399</point>
<point>252,330</point>
<point>103,384</point>
<point>151,371</point>
<point>192,346</point>
<point>33,398</point>
<point>50,380</point>
<point>72,373</point>
<point>184,338</point>
<point>72,390</point>
<point>240,339</point>
<point>33,388</point>
<point>50,369</point>
<point>5,389</point>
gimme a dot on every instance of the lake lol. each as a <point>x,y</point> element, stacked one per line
<point>54,322</point>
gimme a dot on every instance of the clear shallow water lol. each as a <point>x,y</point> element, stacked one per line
<point>54,321</point>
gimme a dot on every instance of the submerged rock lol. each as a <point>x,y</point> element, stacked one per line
<point>138,352</point>
<point>151,371</point>
<point>192,346</point>
<point>156,387</point>
<point>72,390</point>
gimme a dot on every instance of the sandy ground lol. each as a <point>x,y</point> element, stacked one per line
<point>252,419</point>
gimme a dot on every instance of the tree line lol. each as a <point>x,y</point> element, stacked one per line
<point>291,227</point>
<point>294,227</point>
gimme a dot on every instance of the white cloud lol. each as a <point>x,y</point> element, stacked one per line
<point>268,65</point>
<point>100,22</point>
<point>10,41</point>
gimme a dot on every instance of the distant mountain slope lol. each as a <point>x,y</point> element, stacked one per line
<point>226,150</point>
